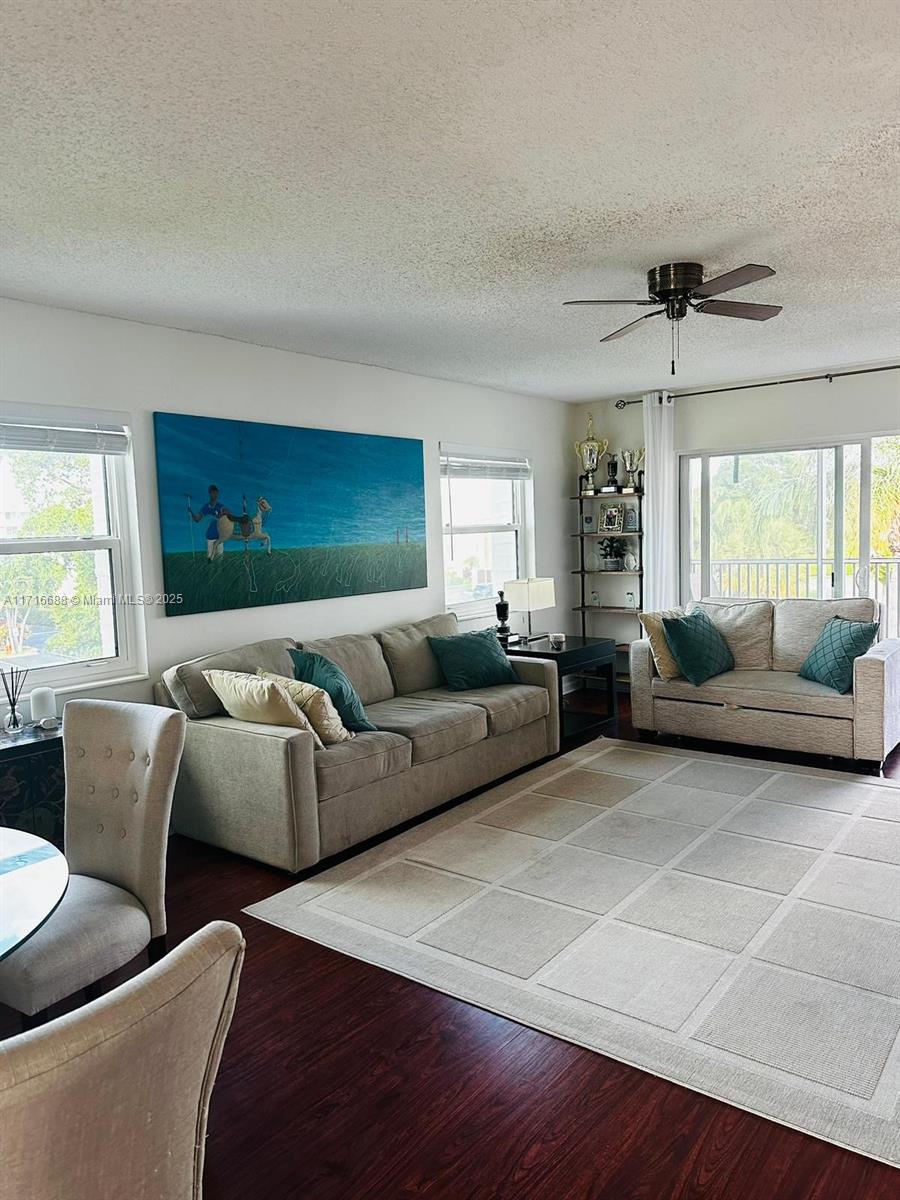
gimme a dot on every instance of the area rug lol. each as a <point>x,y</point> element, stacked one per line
<point>728,924</point>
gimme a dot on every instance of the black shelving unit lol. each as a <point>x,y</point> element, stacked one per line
<point>585,572</point>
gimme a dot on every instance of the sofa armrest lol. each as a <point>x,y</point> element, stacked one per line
<point>250,789</point>
<point>876,701</point>
<point>642,670</point>
<point>541,672</point>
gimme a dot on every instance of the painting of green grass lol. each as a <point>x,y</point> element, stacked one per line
<point>237,580</point>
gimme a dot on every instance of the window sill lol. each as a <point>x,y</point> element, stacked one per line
<point>91,685</point>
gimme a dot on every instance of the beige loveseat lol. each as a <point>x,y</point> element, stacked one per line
<point>265,791</point>
<point>763,701</point>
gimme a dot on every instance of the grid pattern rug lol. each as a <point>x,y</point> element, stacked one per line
<point>730,925</point>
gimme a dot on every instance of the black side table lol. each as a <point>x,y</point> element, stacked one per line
<point>591,658</point>
<point>32,783</point>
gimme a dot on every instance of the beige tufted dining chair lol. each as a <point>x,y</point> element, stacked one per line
<point>110,1102</point>
<point>121,761</point>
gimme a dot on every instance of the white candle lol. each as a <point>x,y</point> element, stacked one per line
<point>43,703</point>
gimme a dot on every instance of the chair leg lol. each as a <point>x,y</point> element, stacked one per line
<point>34,1020</point>
<point>157,949</point>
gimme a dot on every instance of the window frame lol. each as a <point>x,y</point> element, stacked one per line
<point>520,526</point>
<point>129,663</point>
<point>836,444</point>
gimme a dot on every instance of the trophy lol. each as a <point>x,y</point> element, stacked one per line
<point>631,460</point>
<point>589,452</point>
<point>502,607</point>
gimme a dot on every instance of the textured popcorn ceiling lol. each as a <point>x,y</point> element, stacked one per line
<point>420,183</point>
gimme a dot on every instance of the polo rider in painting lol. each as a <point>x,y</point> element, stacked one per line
<point>212,509</point>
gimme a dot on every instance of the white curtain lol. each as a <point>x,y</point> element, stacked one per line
<point>660,558</point>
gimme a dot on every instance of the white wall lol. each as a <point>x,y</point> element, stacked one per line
<point>55,356</point>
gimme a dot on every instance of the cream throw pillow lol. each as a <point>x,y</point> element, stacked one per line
<point>315,705</point>
<point>250,698</point>
<point>666,666</point>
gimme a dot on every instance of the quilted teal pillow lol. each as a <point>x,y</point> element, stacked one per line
<point>697,646</point>
<point>472,660</point>
<point>322,672</point>
<point>831,659</point>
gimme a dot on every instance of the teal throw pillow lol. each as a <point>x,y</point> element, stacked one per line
<point>831,659</point>
<point>472,660</point>
<point>322,672</point>
<point>697,646</point>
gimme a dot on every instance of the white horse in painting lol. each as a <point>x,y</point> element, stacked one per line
<point>245,528</point>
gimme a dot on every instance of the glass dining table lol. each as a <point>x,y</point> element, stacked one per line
<point>34,876</point>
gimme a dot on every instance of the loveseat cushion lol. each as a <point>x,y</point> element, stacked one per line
<point>746,625</point>
<point>434,728</point>
<point>508,706</point>
<point>359,657</point>
<point>196,698</point>
<point>776,691</point>
<point>369,757</point>
<point>409,656</point>
<point>798,623</point>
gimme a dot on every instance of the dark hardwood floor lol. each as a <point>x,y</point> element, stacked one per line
<point>341,1081</point>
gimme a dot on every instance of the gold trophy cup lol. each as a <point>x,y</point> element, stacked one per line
<point>589,452</point>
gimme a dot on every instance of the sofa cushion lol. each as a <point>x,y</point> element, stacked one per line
<point>472,660</point>
<point>435,729</point>
<point>192,693</point>
<point>508,705</point>
<point>368,758</point>
<point>798,623</point>
<point>697,646</point>
<point>260,700</point>
<point>359,657</point>
<point>777,691</point>
<point>746,625</point>
<point>663,659</point>
<point>839,644</point>
<point>321,672</point>
<point>409,656</point>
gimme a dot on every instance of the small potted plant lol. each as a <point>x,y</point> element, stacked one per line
<point>611,551</point>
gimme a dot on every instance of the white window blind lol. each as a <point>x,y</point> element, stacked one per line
<point>93,439</point>
<point>483,464</point>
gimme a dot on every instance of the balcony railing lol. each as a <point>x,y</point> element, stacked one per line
<point>807,579</point>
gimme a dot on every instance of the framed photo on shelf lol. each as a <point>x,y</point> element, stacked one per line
<point>631,520</point>
<point>612,518</point>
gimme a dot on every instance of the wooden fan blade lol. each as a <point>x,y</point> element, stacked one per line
<point>632,325</point>
<point>565,302</point>
<point>733,279</point>
<point>734,308</point>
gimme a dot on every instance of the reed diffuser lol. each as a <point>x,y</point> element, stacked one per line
<point>13,682</point>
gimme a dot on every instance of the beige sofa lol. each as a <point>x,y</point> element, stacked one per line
<point>763,701</point>
<point>265,791</point>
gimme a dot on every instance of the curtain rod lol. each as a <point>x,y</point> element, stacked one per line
<point>620,404</point>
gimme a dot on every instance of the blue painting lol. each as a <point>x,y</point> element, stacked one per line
<point>255,514</point>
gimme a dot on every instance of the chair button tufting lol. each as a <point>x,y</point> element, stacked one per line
<point>109,751</point>
<point>79,750</point>
<point>134,797</point>
<point>115,793</point>
<point>121,833</point>
<point>91,789</point>
<point>131,756</point>
<point>147,759</point>
<point>99,827</point>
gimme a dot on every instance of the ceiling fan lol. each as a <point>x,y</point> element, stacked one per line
<point>679,287</point>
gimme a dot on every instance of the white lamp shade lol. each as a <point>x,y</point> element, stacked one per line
<point>530,595</point>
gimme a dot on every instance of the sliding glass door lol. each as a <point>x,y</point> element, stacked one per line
<point>813,523</point>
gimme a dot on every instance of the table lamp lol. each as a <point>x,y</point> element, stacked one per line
<point>528,596</point>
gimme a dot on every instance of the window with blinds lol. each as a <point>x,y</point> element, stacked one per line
<point>486,505</point>
<point>68,609</point>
